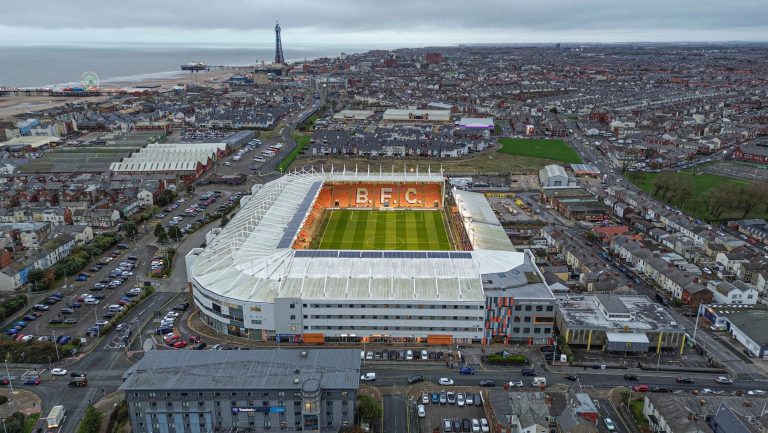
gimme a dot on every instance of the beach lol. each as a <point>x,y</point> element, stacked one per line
<point>14,105</point>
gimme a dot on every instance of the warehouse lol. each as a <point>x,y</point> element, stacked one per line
<point>417,116</point>
<point>554,176</point>
<point>211,390</point>
<point>617,323</point>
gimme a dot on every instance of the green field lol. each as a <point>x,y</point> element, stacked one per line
<point>383,230</point>
<point>702,183</point>
<point>556,150</point>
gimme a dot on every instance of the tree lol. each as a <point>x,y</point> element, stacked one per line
<point>91,422</point>
<point>130,229</point>
<point>663,183</point>
<point>747,198</point>
<point>160,233</point>
<point>681,191</point>
<point>224,220</point>
<point>369,409</point>
<point>165,197</point>
<point>174,232</point>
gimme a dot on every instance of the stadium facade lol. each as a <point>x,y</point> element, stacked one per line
<point>262,276</point>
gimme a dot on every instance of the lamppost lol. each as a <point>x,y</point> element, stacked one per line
<point>8,374</point>
<point>4,429</point>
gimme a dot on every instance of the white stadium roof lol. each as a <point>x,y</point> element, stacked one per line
<point>252,259</point>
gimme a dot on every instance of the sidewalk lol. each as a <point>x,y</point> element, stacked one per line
<point>22,401</point>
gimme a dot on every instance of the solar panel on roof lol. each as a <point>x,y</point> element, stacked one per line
<point>349,254</point>
<point>371,254</point>
<point>438,255</point>
<point>461,255</point>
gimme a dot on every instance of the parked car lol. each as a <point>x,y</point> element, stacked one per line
<point>32,381</point>
<point>640,388</point>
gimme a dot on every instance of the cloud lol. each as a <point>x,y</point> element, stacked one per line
<point>408,21</point>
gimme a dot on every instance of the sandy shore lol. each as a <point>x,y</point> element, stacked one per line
<point>14,105</point>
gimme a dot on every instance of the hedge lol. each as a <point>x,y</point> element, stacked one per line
<point>495,358</point>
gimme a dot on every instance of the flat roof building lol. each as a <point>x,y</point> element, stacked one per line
<point>206,391</point>
<point>352,115</point>
<point>417,116</point>
<point>617,323</point>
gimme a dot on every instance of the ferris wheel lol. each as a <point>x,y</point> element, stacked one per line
<point>90,80</point>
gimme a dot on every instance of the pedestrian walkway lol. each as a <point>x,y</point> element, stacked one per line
<point>21,400</point>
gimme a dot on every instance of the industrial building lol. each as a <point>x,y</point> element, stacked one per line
<point>417,116</point>
<point>555,176</point>
<point>186,160</point>
<point>617,323</point>
<point>247,390</point>
<point>352,115</point>
<point>746,323</point>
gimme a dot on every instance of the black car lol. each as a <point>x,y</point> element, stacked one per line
<point>545,349</point>
<point>456,425</point>
<point>76,374</point>
<point>416,379</point>
<point>108,315</point>
<point>632,377</point>
<point>528,372</point>
<point>660,389</point>
<point>181,307</point>
<point>571,377</point>
<point>487,383</point>
<point>684,379</point>
<point>55,321</point>
<point>466,425</point>
<point>67,311</point>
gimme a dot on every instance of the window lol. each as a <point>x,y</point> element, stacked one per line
<point>537,330</point>
<point>550,308</point>
<point>539,308</point>
<point>526,330</point>
<point>518,307</point>
<point>516,330</point>
<point>527,320</point>
<point>527,308</point>
<point>293,317</point>
<point>292,306</point>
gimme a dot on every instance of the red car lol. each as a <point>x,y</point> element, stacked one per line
<point>195,339</point>
<point>5,381</point>
<point>168,339</point>
<point>640,388</point>
<point>18,337</point>
<point>179,344</point>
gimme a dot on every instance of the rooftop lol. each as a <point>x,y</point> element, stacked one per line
<point>625,311</point>
<point>170,370</point>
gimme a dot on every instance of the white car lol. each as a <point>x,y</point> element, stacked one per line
<point>723,380</point>
<point>484,425</point>
<point>609,424</point>
<point>475,425</point>
<point>516,384</point>
<point>368,377</point>
<point>756,392</point>
<point>425,398</point>
<point>59,372</point>
<point>91,301</point>
<point>445,381</point>
<point>422,411</point>
<point>460,399</point>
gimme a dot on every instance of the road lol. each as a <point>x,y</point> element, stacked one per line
<point>388,375</point>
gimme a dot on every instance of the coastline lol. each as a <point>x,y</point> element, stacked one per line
<point>14,105</point>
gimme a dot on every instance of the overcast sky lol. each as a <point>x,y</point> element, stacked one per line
<point>386,22</point>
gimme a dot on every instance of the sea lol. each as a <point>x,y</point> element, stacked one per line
<point>51,66</point>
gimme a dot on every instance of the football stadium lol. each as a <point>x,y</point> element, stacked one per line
<point>350,256</point>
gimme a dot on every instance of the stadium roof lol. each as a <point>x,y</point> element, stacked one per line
<point>251,259</point>
<point>483,228</point>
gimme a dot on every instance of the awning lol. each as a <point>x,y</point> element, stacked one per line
<point>626,337</point>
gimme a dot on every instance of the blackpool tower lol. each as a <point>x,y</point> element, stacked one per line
<point>279,59</point>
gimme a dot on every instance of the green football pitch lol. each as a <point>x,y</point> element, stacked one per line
<point>384,230</point>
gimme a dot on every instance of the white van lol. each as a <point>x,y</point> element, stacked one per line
<point>368,377</point>
<point>115,308</point>
<point>539,381</point>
